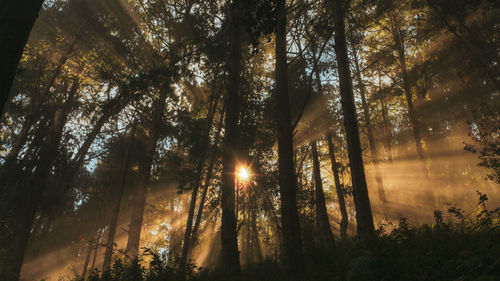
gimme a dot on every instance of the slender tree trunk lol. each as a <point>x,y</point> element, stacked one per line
<point>16,19</point>
<point>139,203</point>
<point>87,260</point>
<point>256,248</point>
<point>109,109</point>
<point>97,242</point>
<point>229,238</point>
<point>338,187</point>
<point>369,129</point>
<point>110,241</point>
<point>199,170</point>
<point>400,46</point>
<point>207,182</point>
<point>387,129</point>
<point>322,220</point>
<point>292,242</point>
<point>364,216</point>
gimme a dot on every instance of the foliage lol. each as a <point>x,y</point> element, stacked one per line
<point>485,133</point>
<point>467,249</point>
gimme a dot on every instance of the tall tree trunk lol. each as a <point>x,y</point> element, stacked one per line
<point>364,216</point>
<point>387,129</point>
<point>338,187</point>
<point>256,248</point>
<point>97,242</point>
<point>199,170</point>
<point>400,47</point>
<point>206,185</point>
<point>139,202</point>
<point>16,19</point>
<point>87,260</point>
<point>110,241</point>
<point>292,242</point>
<point>229,238</point>
<point>369,129</point>
<point>322,221</point>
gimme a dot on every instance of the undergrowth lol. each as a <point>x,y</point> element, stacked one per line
<point>455,248</point>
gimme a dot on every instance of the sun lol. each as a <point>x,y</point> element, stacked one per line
<point>243,173</point>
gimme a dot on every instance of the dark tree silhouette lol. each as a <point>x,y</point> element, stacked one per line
<point>364,216</point>
<point>292,242</point>
<point>16,20</point>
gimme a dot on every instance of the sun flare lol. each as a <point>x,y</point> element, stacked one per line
<point>243,174</point>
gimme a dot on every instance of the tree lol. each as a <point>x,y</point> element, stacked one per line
<point>364,216</point>
<point>322,221</point>
<point>292,242</point>
<point>213,101</point>
<point>152,131</point>
<point>368,124</point>
<point>110,241</point>
<point>229,239</point>
<point>338,188</point>
<point>17,19</point>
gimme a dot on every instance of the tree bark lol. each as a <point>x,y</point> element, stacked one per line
<point>364,216</point>
<point>229,238</point>
<point>17,18</point>
<point>322,221</point>
<point>139,202</point>
<point>338,187</point>
<point>369,129</point>
<point>110,241</point>
<point>292,241</point>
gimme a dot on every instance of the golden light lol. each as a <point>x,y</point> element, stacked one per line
<point>243,174</point>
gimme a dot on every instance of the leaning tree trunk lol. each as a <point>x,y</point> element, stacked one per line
<point>199,170</point>
<point>292,242</point>
<point>229,238</point>
<point>400,47</point>
<point>109,109</point>
<point>364,216</point>
<point>35,108</point>
<point>338,187</point>
<point>322,221</point>
<point>26,198</point>
<point>206,184</point>
<point>369,129</point>
<point>110,241</point>
<point>16,20</point>
<point>139,202</point>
